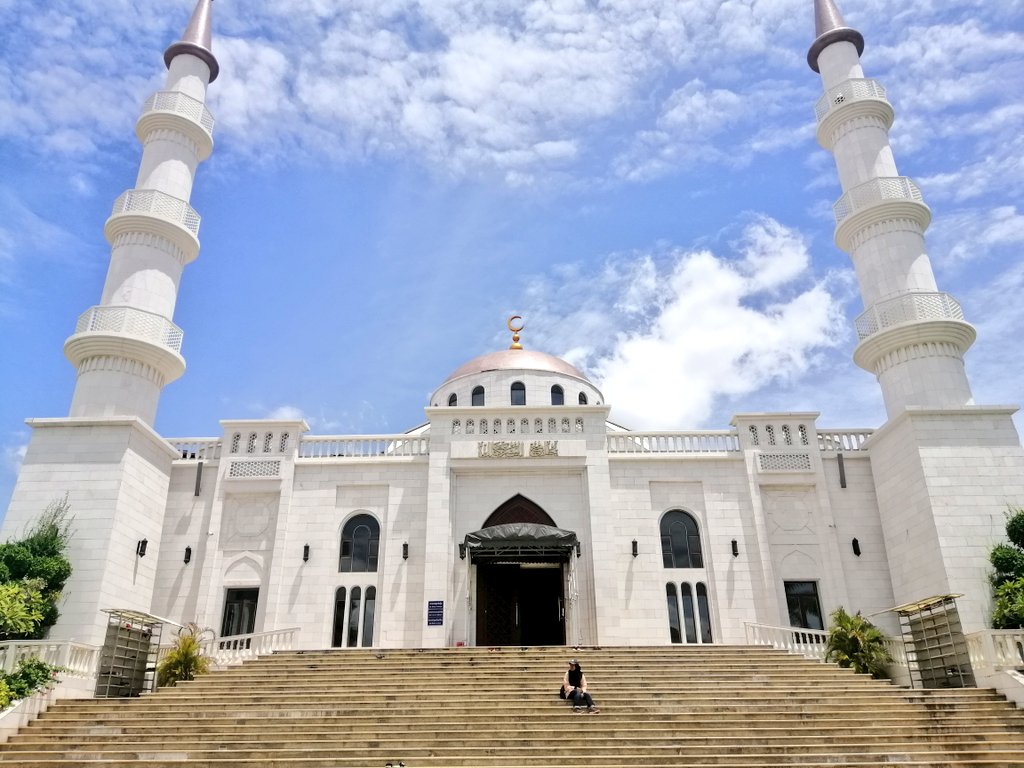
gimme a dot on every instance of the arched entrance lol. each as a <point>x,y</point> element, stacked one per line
<point>522,565</point>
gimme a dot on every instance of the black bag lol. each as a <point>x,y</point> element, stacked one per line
<point>561,692</point>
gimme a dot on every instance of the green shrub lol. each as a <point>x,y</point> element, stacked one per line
<point>31,675</point>
<point>6,697</point>
<point>185,660</point>
<point>853,641</point>
<point>1015,527</point>
<point>1008,612</point>
<point>21,608</point>
<point>1008,561</point>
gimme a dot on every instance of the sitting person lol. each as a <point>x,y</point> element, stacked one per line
<point>574,689</point>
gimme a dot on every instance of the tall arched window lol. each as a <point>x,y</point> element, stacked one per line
<point>583,398</point>
<point>689,623</point>
<point>680,541</point>
<point>338,636</point>
<point>478,395</point>
<point>557,395</point>
<point>360,542</point>
<point>704,613</point>
<point>453,399</point>
<point>518,393</point>
<point>675,631</point>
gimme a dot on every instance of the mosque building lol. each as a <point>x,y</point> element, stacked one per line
<point>518,514</point>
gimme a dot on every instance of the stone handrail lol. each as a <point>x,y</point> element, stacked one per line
<point>131,322</point>
<point>77,659</point>
<point>855,89</point>
<point>875,191</point>
<point>235,649</point>
<point>907,308</point>
<point>722,441</point>
<point>197,448</point>
<point>842,440</point>
<point>806,642</point>
<point>180,104</point>
<point>364,446</point>
<point>996,649</point>
<point>159,204</point>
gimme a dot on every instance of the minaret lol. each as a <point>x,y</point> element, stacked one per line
<point>127,348</point>
<point>911,335</point>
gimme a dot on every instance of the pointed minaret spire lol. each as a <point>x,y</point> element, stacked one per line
<point>197,39</point>
<point>830,28</point>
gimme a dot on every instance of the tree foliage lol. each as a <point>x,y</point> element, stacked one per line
<point>33,572</point>
<point>1008,574</point>
<point>186,659</point>
<point>853,641</point>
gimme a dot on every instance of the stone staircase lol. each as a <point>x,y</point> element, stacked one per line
<point>668,706</point>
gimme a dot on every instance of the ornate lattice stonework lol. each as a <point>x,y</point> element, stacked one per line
<point>784,462</point>
<point>510,449</point>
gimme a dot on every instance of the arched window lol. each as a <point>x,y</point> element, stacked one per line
<point>680,541</point>
<point>453,400</point>
<point>369,608</point>
<point>478,395</point>
<point>689,622</point>
<point>704,613</point>
<point>236,441</point>
<point>583,398</point>
<point>557,395</point>
<point>338,636</point>
<point>360,541</point>
<point>353,619</point>
<point>675,631</point>
<point>518,393</point>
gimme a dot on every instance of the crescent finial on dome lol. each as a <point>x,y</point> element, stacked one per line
<point>515,330</point>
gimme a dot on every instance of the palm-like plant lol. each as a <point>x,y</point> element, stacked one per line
<point>186,659</point>
<point>853,641</point>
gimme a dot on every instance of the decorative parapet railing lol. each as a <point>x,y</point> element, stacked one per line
<point>180,104</point>
<point>364,447</point>
<point>130,321</point>
<point>856,89</point>
<point>159,204</point>
<point>196,448</point>
<point>873,192</point>
<point>843,440</point>
<point>77,659</point>
<point>996,649</point>
<point>806,642</point>
<point>905,309</point>
<point>723,441</point>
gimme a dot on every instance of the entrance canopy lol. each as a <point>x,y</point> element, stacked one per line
<point>521,542</point>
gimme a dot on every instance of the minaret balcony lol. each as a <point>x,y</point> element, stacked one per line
<point>852,98</point>
<point>131,321</point>
<point>907,308</point>
<point>154,212</point>
<point>180,112</point>
<point>881,199</point>
<point>127,332</point>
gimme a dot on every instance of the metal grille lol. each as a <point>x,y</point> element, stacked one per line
<point>255,468</point>
<point>784,462</point>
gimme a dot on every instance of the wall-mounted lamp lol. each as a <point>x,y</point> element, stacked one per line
<point>856,547</point>
<point>635,550</point>
<point>462,550</point>
<point>305,553</point>
<point>140,548</point>
<point>735,548</point>
<point>188,555</point>
<point>578,552</point>
<point>405,550</point>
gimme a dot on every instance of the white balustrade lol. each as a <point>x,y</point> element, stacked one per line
<point>856,89</point>
<point>196,448</point>
<point>806,642</point>
<point>76,659</point>
<point>996,649</point>
<point>673,442</point>
<point>227,651</point>
<point>180,104</point>
<point>843,439</point>
<point>364,446</point>
<point>159,204</point>
<point>905,309</point>
<point>131,322</point>
<point>873,192</point>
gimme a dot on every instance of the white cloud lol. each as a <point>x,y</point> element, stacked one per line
<point>286,412</point>
<point>694,326</point>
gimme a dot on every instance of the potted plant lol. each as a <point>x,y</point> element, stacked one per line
<point>855,642</point>
<point>185,659</point>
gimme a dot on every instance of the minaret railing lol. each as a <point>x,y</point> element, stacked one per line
<point>907,308</point>
<point>133,322</point>
<point>159,204</point>
<point>856,89</point>
<point>876,191</point>
<point>180,103</point>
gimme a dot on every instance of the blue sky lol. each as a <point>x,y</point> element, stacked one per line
<point>638,178</point>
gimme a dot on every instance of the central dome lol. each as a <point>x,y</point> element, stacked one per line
<point>513,360</point>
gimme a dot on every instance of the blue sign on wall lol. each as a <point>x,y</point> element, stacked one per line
<point>435,613</point>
